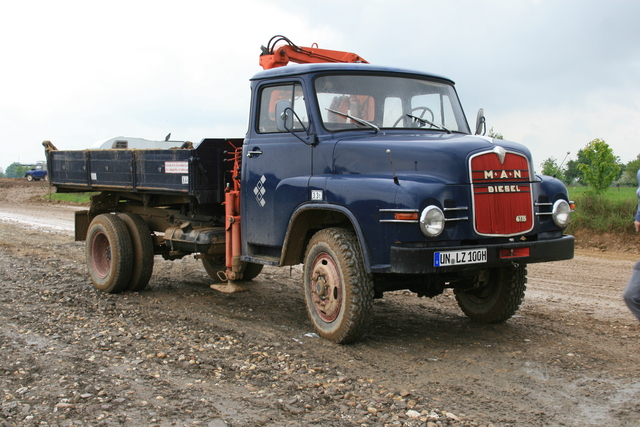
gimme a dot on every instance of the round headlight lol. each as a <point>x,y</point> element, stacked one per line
<point>431,221</point>
<point>561,213</point>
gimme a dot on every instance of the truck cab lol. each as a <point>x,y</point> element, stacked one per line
<point>390,153</point>
<point>387,156</point>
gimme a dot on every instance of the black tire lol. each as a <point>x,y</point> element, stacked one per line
<point>338,291</point>
<point>29,177</point>
<point>142,246</point>
<point>215,265</point>
<point>497,298</point>
<point>109,253</point>
<point>251,271</point>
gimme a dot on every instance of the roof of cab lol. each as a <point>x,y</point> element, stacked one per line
<point>298,69</point>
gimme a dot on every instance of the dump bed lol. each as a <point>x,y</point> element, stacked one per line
<point>198,172</point>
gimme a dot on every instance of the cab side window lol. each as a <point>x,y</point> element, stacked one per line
<point>267,113</point>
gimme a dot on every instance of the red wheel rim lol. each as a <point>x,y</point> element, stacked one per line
<point>326,288</point>
<point>101,255</point>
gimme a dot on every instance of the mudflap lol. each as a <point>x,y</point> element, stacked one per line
<point>82,222</point>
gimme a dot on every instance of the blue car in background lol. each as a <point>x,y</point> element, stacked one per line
<point>36,174</point>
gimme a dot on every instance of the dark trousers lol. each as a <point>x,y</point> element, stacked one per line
<point>631,293</point>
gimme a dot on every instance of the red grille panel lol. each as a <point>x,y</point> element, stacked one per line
<point>501,194</point>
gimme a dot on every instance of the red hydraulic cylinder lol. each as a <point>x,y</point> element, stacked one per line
<point>232,227</point>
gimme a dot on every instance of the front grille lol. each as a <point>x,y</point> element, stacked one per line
<point>502,204</point>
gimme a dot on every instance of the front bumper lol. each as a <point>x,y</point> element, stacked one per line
<point>412,260</point>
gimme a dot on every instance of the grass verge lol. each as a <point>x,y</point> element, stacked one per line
<point>79,198</point>
<point>610,212</point>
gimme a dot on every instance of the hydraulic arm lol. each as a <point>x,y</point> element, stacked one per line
<point>275,55</point>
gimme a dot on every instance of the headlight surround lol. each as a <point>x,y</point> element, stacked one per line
<point>561,213</point>
<point>432,221</point>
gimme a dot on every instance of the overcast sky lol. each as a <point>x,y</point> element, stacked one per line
<point>550,74</point>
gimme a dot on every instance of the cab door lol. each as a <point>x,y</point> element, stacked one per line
<point>275,173</point>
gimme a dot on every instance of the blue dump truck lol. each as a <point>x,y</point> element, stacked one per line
<point>368,176</point>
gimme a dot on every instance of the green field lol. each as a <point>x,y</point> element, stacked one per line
<point>610,212</point>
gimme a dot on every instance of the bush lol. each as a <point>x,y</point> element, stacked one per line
<point>602,169</point>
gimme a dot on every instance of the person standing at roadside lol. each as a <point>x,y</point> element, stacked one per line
<point>632,291</point>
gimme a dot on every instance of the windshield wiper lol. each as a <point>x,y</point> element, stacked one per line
<point>355,119</point>
<point>427,122</point>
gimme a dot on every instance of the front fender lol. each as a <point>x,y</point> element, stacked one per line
<point>311,217</point>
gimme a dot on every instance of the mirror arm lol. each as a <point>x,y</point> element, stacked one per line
<point>483,125</point>
<point>312,139</point>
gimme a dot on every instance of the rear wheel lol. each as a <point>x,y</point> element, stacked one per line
<point>496,296</point>
<point>213,266</point>
<point>142,246</point>
<point>338,291</point>
<point>29,177</point>
<point>109,253</point>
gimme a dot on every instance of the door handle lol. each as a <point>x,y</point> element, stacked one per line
<point>255,152</point>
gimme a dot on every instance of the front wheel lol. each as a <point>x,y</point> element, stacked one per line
<point>496,296</point>
<point>29,177</point>
<point>338,291</point>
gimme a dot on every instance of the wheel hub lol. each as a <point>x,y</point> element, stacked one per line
<point>325,288</point>
<point>321,286</point>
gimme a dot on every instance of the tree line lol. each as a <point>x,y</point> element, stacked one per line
<point>15,170</point>
<point>596,166</point>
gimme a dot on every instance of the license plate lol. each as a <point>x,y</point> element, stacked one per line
<point>469,256</point>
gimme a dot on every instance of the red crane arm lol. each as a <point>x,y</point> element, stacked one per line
<point>274,56</point>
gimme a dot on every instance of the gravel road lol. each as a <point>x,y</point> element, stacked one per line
<point>181,354</point>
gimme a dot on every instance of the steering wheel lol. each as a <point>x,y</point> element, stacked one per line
<point>414,109</point>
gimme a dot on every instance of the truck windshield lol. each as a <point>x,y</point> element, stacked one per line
<point>388,102</point>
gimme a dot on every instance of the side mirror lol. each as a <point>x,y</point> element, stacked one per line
<point>284,116</point>
<point>481,123</point>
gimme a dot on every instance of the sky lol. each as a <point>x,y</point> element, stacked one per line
<point>551,74</point>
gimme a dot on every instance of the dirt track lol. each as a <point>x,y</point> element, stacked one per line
<point>180,353</point>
